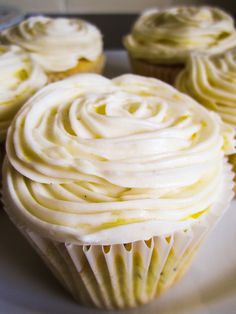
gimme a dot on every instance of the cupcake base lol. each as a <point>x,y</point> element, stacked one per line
<point>83,66</point>
<point>124,275</point>
<point>166,73</point>
<point>118,276</point>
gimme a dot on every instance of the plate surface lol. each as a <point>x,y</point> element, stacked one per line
<point>27,287</point>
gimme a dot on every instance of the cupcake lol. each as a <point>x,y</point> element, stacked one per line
<point>20,78</point>
<point>116,183</point>
<point>161,41</point>
<point>211,80</point>
<point>62,46</point>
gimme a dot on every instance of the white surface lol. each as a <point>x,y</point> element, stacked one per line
<point>27,287</point>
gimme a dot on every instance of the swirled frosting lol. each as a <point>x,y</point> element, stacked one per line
<point>169,36</point>
<point>212,81</point>
<point>57,44</point>
<point>92,160</point>
<point>20,77</point>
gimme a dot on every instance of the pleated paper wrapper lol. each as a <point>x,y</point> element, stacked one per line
<point>166,73</point>
<point>232,160</point>
<point>126,275</point>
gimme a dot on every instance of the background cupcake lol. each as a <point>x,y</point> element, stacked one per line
<point>20,78</point>
<point>161,41</point>
<point>211,80</point>
<point>62,46</point>
<point>116,183</point>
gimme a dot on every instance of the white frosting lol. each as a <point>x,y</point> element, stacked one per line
<point>169,36</point>
<point>93,160</point>
<point>57,44</point>
<point>20,78</point>
<point>212,81</point>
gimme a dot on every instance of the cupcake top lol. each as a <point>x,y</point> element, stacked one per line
<point>57,44</point>
<point>169,36</point>
<point>212,81</point>
<point>20,78</point>
<point>99,161</point>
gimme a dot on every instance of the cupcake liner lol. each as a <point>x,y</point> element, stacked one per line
<point>232,160</point>
<point>166,73</point>
<point>122,275</point>
<point>126,275</point>
<point>90,67</point>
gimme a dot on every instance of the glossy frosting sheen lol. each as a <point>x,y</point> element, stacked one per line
<point>57,43</point>
<point>169,36</point>
<point>212,81</point>
<point>20,77</point>
<point>110,161</point>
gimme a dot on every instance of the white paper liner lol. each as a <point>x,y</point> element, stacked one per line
<point>166,73</point>
<point>126,275</point>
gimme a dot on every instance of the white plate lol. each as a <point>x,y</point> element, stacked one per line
<point>27,287</point>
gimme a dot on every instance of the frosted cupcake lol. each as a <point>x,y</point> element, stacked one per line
<point>61,46</point>
<point>20,78</point>
<point>116,183</point>
<point>212,81</point>
<point>161,41</point>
